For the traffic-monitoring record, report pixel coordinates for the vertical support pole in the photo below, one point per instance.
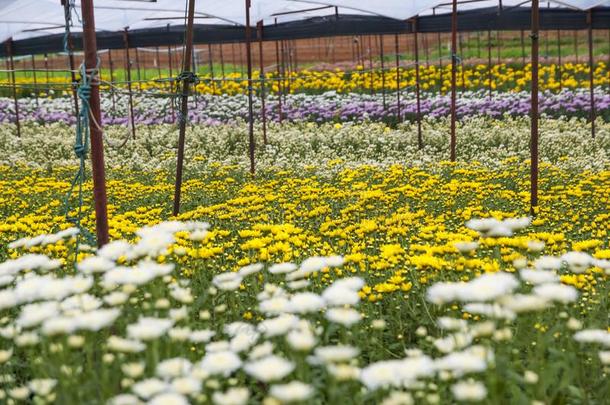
(534, 109)
(591, 70)
(420, 141)
(523, 47)
(259, 31)
(559, 68)
(171, 75)
(186, 88)
(398, 77)
(489, 74)
(157, 61)
(46, 68)
(138, 70)
(211, 62)
(453, 78)
(72, 66)
(35, 79)
(576, 44)
(129, 89)
(111, 65)
(222, 62)
(371, 72)
(95, 131)
(382, 56)
(251, 144)
(11, 68)
(279, 79)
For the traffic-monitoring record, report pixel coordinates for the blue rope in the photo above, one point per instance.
(81, 149)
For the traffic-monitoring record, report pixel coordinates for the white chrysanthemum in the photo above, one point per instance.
(599, 336)
(306, 302)
(339, 296)
(298, 284)
(516, 224)
(279, 325)
(222, 362)
(149, 328)
(114, 250)
(538, 276)
(556, 292)
(396, 373)
(301, 340)
(350, 283)
(243, 341)
(282, 268)
(227, 281)
(250, 269)
(547, 263)
(169, 398)
(172, 368)
(578, 262)
(486, 287)
(292, 392)
(451, 324)
(270, 368)
(490, 310)
(148, 388)
(453, 342)
(465, 247)
(520, 303)
(42, 386)
(464, 362)
(262, 350)
(233, 396)
(118, 344)
(482, 225)
(201, 336)
(344, 316)
(186, 385)
(236, 328)
(116, 298)
(469, 391)
(33, 314)
(336, 354)
(275, 305)
(95, 264)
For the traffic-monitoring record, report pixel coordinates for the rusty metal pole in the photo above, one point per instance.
(46, 68)
(453, 78)
(259, 32)
(398, 77)
(534, 109)
(11, 65)
(35, 81)
(95, 131)
(251, 144)
(111, 65)
(420, 140)
(279, 80)
(591, 70)
(129, 88)
(186, 88)
(382, 72)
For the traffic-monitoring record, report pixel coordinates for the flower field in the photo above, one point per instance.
(353, 265)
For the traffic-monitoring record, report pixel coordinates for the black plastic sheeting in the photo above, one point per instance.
(508, 19)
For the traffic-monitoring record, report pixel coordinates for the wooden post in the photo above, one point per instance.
(129, 88)
(591, 70)
(251, 144)
(453, 78)
(95, 131)
(534, 109)
(259, 31)
(11, 68)
(420, 140)
(186, 88)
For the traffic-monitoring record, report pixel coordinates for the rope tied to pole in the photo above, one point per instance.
(81, 149)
